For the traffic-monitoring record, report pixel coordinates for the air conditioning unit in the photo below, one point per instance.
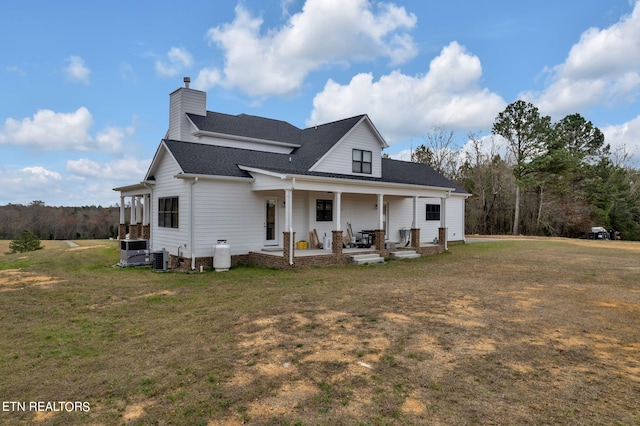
(160, 261)
(134, 253)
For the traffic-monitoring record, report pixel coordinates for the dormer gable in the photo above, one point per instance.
(358, 152)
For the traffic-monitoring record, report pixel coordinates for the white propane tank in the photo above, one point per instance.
(327, 242)
(222, 256)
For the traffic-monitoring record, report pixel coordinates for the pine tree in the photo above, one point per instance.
(26, 241)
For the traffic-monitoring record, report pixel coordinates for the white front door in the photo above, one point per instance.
(271, 222)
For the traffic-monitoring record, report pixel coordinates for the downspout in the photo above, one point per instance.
(193, 255)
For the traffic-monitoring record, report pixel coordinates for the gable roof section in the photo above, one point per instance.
(247, 126)
(157, 158)
(312, 143)
(203, 159)
(318, 140)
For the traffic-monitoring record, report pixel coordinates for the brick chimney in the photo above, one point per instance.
(183, 101)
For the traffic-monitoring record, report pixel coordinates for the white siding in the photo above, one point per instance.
(339, 158)
(455, 218)
(226, 210)
(400, 216)
(168, 186)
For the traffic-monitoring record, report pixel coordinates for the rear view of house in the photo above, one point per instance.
(264, 186)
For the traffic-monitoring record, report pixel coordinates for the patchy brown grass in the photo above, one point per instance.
(506, 332)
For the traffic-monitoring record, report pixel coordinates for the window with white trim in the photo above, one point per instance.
(361, 161)
(324, 210)
(168, 212)
(433, 212)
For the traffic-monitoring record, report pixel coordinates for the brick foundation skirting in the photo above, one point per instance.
(280, 262)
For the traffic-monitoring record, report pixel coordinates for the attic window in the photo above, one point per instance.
(361, 161)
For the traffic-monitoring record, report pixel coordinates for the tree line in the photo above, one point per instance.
(59, 223)
(537, 177)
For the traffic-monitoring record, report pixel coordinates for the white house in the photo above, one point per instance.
(260, 183)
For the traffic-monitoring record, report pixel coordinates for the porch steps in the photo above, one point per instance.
(361, 259)
(405, 254)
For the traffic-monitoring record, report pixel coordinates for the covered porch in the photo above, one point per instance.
(339, 211)
(139, 222)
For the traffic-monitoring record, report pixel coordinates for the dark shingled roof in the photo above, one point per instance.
(249, 126)
(314, 142)
(204, 159)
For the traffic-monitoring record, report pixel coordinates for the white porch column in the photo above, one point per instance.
(139, 210)
(414, 224)
(380, 211)
(288, 210)
(146, 213)
(122, 208)
(132, 216)
(338, 202)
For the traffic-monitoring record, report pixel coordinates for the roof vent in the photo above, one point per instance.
(187, 80)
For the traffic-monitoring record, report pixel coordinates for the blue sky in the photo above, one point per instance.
(85, 85)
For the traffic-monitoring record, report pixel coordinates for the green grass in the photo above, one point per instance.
(541, 332)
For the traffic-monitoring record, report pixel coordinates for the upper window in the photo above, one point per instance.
(324, 210)
(168, 212)
(433, 212)
(361, 161)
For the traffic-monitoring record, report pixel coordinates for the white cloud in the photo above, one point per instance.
(55, 131)
(86, 182)
(40, 175)
(207, 78)
(126, 169)
(49, 130)
(325, 32)
(28, 184)
(128, 73)
(402, 106)
(603, 65)
(76, 70)
(15, 70)
(178, 59)
(625, 136)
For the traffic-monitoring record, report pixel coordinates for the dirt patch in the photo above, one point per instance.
(79, 248)
(135, 411)
(17, 279)
(41, 416)
(117, 301)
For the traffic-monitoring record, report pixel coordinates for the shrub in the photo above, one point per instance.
(26, 241)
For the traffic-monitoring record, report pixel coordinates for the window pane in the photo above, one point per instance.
(366, 156)
(366, 168)
(357, 155)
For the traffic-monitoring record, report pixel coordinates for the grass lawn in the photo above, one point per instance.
(506, 332)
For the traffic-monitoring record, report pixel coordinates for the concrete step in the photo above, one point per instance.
(361, 259)
(405, 254)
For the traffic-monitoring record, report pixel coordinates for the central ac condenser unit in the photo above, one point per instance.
(160, 261)
(134, 253)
